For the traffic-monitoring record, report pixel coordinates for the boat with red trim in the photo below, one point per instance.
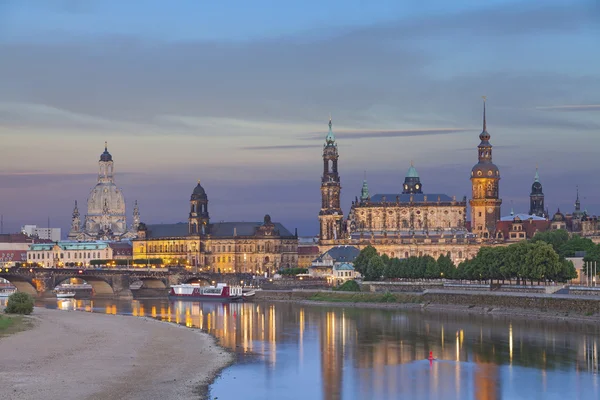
(221, 292)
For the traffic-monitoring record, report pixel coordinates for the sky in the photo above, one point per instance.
(238, 94)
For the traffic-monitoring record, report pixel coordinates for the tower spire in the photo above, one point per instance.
(364, 193)
(484, 122)
(330, 139)
(537, 175)
(105, 145)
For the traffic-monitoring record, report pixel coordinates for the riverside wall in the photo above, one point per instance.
(588, 305)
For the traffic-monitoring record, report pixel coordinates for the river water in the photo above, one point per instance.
(293, 351)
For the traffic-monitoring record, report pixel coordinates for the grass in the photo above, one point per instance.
(13, 324)
(338, 297)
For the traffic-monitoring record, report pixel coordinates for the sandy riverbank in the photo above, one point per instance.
(78, 355)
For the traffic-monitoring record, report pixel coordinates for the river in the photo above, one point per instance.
(293, 351)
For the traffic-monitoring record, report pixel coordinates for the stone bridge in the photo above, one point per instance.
(110, 282)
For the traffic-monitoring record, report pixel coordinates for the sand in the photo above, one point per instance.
(79, 355)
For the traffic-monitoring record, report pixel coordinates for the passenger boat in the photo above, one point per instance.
(64, 294)
(221, 292)
(7, 292)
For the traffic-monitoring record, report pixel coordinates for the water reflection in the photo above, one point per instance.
(301, 352)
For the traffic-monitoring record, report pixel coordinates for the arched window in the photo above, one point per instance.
(406, 254)
(460, 254)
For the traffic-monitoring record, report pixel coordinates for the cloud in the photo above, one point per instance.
(389, 134)
(574, 107)
(284, 147)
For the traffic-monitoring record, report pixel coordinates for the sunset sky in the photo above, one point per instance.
(238, 94)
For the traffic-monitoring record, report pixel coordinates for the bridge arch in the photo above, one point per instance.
(201, 280)
(22, 283)
(153, 283)
(99, 285)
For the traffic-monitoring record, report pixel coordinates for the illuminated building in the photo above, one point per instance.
(485, 178)
(227, 247)
(410, 223)
(105, 218)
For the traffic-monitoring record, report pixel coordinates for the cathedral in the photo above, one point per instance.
(412, 222)
(105, 218)
(224, 247)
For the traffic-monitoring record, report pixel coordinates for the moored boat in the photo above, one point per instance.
(7, 292)
(64, 294)
(221, 292)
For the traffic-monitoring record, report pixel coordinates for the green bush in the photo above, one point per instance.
(19, 303)
(349, 286)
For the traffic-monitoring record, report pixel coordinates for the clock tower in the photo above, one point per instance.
(412, 182)
(331, 215)
(485, 200)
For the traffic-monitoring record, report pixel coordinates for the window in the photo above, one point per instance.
(229, 248)
(480, 213)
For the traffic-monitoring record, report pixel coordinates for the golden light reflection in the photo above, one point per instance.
(510, 342)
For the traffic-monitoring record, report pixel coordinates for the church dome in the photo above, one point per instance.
(486, 169)
(106, 195)
(558, 216)
(199, 192)
(106, 156)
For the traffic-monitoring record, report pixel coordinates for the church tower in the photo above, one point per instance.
(331, 215)
(536, 197)
(485, 177)
(412, 181)
(106, 166)
(75, 224)
(198, 218)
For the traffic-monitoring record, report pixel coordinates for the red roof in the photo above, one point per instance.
(308, 250)
(13, 255)
(121, 248)
(530, 227)
(15, 238)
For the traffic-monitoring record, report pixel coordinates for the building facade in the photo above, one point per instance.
(53, 234)
(226, 247)
(105, 218)
(67, 254)
(405, 224)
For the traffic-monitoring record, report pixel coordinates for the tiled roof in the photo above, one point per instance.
(179, 229)
(341, 253)
(522, 217)
(308, 250)
(530, 227)
(13, 255)
(405, 198)
(69, 246)
(15, 238)
(220, 229)
(343, 267)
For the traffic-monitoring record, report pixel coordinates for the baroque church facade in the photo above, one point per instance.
(224, 247)
(106, 218)
(412, 222)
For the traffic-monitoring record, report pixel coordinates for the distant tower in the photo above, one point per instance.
(106, 166)
(536, 198)
(136, 217)
(198, 219)
(75, 223)
(331, 215)
(364, 192)
(485, 176)
(412, 182)
(577, 213)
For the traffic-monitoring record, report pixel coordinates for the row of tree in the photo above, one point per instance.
(541, 259)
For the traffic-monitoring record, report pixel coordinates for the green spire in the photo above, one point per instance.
(330, 139)
(537, 175)
(364, 193)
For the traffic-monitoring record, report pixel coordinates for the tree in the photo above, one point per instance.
(432, 270)
(375, 268)
(576, 243)
(19, 303)
(446, 267)
(361, 262)
(542, 262)
(555, 238)
(567, 271)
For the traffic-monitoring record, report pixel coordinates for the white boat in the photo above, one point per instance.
(64, 294)
(221, 292)
(248, 294)
(7, 292)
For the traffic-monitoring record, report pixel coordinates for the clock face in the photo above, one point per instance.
(405, 186)
(417, 186)
(490, 210)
